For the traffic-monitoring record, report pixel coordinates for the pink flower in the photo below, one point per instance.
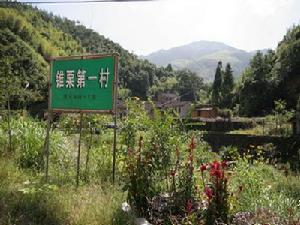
(209, 192)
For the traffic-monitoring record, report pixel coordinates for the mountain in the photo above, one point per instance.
(29, 37)
(202, 57)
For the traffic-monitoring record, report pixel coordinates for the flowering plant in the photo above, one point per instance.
(216, 191)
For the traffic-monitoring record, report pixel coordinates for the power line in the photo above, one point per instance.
(74, 1)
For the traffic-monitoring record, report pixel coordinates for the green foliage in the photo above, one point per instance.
(227, 88)
(188, 85)
(229, 153)
(26, 200)
(217, 85)
(258, 91)
(28, 139)
(32, 36)
(255, 186)
(216, 192)
(287, 67)
(272, 76)
(148, 152)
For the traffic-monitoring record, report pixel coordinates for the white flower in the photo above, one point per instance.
(126, 207)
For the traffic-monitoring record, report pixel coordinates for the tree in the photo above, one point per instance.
(227, 87)
(169, 68)
(257, 91)
(189, 85)
(287, 66)
(217, 85)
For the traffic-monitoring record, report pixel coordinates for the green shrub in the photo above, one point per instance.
(229, 153)
(256, 187)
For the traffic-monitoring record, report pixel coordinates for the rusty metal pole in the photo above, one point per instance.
(78, 155)
(115, 119)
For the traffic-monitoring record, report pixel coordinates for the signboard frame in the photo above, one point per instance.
(114, 84)
(113, 111)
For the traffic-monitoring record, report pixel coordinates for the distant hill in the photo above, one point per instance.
(29, 37)
(202, 57)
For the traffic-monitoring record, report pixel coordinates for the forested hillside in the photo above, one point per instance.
(202, 57)
(29, 37)
(271, 76)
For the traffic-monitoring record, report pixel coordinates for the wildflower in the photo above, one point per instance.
(203, 167)
(173, 173)
(208, 192)
(204, 204)
(125, 207)
(217, 173)
(215, 165)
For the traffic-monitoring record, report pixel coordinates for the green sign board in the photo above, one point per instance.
(83, 83)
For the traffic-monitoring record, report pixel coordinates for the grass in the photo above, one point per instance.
(26, 200)
(265, 190)
(268, 129)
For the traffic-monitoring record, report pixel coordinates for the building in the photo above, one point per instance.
(169, 101)
(204, 112)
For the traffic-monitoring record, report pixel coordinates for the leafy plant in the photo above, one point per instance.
(216, 192)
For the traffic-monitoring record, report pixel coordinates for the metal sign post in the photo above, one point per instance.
(115, 134)
(78, 154)
(83, 84)
(47, 144)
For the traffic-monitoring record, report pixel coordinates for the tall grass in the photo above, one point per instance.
(24, 200)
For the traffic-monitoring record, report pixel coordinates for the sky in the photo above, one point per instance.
(145, 27)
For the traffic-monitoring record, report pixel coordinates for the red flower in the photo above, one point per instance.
(215, 165)
(217, 173)
(203, 167)
(209, 192)
(173, 173)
